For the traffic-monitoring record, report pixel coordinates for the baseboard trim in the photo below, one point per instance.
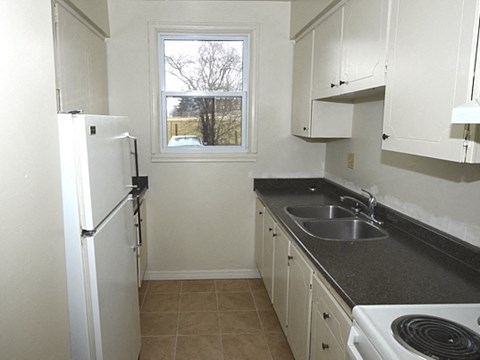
(204, 274)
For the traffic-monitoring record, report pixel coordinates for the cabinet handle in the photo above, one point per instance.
(325, 346)
(326, 316)
(273, 235)
(385, 136)
(332, 85)
(260, 213)
(290, 257)
(305, 129)
(343, 82)
(270, 229)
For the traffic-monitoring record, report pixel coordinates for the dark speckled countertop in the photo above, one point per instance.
(416, 264)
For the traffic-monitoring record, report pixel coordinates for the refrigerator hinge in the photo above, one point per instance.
(88, 233)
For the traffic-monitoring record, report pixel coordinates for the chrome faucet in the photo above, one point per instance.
(368, 210)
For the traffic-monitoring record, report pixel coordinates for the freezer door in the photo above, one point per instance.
(104, 174)
(112, 276)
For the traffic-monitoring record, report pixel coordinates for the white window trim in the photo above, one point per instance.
(249, 153)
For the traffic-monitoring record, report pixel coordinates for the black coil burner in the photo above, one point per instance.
(437, 338)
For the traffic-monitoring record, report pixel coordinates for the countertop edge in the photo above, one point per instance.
(450, 246)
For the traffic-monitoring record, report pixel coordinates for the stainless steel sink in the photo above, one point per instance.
(343, 230)
(318, 211)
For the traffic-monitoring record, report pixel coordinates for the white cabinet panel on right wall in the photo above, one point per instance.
(431, 64)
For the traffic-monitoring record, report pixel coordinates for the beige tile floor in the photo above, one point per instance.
(209, 320)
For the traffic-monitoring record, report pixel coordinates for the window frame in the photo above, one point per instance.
(160, 151)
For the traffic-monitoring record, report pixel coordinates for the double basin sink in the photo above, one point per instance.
(333, 222)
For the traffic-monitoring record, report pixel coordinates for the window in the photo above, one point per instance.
(204, 94)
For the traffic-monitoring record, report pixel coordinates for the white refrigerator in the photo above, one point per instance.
(100, 241)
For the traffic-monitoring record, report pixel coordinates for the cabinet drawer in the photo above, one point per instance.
(327, 348)
(335, 318)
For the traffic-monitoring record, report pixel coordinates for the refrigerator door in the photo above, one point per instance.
(104, 177)
(110, 262)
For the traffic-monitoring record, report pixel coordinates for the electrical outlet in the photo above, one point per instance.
(351, 160)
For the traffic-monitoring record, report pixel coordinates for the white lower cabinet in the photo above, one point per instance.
(280, 275)
(330, 325)
(268, 252)
(314, 318)
(259, 216)
(299, 304)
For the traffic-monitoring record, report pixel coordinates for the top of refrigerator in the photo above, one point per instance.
(95, 145)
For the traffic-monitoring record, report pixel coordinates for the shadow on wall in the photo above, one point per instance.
(455, 172)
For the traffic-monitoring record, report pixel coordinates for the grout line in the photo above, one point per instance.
(221, 335)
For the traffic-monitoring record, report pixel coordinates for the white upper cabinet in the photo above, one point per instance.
(302, 85)
(315, 119)
(350, 49)
(327, 56)
(364, 44)
(431, 65)
(81, 64)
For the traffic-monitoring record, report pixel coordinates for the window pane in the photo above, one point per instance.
(203, 65)
(204, 121)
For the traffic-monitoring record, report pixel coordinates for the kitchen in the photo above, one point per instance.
(440, 193)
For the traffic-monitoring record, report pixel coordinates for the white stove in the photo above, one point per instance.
(419, 332)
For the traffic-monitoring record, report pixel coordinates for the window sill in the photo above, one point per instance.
(204, 157)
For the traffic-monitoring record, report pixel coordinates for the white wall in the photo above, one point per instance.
(33, 295)
(443, 194)
(201, 215)
(95, 10)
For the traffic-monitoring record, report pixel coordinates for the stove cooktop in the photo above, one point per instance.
(436, 338)
(439, 331)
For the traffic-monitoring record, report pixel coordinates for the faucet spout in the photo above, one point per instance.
(368, 209)
(357, 203)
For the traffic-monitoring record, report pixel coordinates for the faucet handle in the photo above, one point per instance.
(371, 199)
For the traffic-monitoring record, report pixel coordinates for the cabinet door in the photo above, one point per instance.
(330, 325)
(302, 80)
(280, 279)
(268, 253)
(259, 216)
(299, 305)
(81, 65)
(430, 70)
(364, 44)
(327, 54)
